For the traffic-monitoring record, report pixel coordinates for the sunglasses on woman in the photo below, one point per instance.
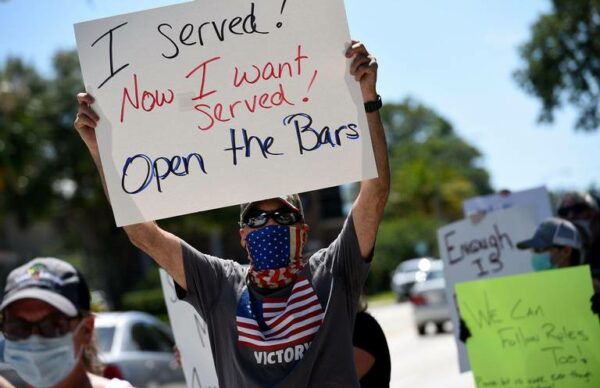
(284, 216)
(53, 326)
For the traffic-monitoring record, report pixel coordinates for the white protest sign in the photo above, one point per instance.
(191, 337)
(537, 197)
(213, 103)
(480, 247)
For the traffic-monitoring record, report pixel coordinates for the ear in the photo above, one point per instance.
(87, 331)
(243, 234)
(83, 338)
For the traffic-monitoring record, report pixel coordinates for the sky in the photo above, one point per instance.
(455, 57)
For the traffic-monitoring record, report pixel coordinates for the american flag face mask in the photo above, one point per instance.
(275, 254)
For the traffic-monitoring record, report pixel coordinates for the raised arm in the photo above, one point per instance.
(162, 246)
(368, 207)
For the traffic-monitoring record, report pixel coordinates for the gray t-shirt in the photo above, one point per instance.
(299, 336)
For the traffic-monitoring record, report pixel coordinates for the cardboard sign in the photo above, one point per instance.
(213, 103)
(533, 330)
(483, 247)
(537, 197)
(191, 337)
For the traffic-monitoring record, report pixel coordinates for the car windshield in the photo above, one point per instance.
(410, 266)
(435, 275)
(104, 338)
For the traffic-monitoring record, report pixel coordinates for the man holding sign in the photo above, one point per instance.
(287, 321)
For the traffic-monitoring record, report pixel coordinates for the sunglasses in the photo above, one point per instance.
(576, 209)
(53, 326)
(257, 218)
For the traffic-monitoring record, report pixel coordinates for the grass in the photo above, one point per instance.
(382, 298)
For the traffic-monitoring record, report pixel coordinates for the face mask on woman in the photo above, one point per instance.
(41, 361)
(541, 261)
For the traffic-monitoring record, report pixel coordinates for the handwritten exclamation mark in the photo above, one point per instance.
(279, 24)
(312, 80)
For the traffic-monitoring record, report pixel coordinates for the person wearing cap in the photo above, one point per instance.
(286, 321)
(555, 244)
(47, 325)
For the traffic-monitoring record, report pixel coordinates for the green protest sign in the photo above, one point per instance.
(532, 330)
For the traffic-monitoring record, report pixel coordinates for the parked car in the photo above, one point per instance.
(410, 272)
(137, 347)
(429, 302)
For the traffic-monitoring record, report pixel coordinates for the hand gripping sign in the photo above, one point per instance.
(213, 103)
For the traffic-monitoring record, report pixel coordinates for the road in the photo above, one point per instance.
(425, 362)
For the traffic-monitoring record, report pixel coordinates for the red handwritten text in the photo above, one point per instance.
(269, 71)
(149, 101)
(224, 111)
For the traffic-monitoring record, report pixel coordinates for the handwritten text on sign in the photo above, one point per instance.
(483, 247)
(209, 104)
(528, 331)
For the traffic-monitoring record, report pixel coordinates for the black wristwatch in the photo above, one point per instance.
(373, 106)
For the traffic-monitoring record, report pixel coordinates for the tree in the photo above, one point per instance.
(433, 171)
(562, 61)
(24, 178)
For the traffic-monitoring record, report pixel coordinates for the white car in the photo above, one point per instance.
(429, 302)
(137, 347)
(410, 272)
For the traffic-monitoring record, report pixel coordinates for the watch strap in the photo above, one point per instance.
(373, 106)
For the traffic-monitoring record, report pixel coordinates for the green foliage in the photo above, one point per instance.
(433, 171)
(381, 298)
(24, 145)
(562, 60)
(148, 300)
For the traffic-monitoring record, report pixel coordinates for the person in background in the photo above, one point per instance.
(583, 211)
(47, 325)
(371, 352)
(557, 244)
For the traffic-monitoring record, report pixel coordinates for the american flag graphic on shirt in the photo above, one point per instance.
(277, 323)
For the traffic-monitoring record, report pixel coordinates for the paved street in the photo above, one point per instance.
(422, 362)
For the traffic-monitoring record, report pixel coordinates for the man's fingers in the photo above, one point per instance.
(85, 98)
(86, 117)
(88, 111)
(356, 48)
(363, 66)
(358, 62)
(83, 121)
